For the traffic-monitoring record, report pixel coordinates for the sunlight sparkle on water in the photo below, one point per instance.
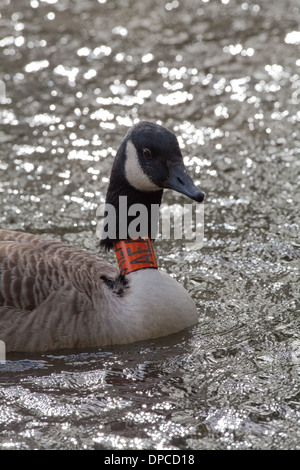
(36, 66)
(172, 99)
(293, 37)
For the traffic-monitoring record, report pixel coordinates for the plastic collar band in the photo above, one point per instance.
(135, 254)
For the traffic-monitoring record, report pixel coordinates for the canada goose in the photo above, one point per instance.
(56, 296)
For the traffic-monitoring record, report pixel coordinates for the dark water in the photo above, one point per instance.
(225, 76)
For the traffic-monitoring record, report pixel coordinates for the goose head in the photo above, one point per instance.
(148, 161)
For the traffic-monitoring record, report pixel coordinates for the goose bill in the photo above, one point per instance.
(181, 182)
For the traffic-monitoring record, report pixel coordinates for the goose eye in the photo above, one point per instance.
(147, 153)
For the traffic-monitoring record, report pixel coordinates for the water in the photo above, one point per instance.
(224, 75)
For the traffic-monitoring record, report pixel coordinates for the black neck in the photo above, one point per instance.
(121, 196)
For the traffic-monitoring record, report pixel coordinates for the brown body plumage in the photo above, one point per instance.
(46, 284)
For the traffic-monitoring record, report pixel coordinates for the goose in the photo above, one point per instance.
(57, 296)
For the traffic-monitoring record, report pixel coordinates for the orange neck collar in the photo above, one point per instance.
(135, 254)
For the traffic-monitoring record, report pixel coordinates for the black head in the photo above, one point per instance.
(154, 161)
(148, 161)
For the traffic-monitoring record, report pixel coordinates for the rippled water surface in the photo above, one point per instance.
(225, 76)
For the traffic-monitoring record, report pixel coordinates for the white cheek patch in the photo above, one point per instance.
(134, 172)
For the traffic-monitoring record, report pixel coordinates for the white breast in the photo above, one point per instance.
(155, 305)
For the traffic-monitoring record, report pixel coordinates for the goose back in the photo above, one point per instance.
(48, 291)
